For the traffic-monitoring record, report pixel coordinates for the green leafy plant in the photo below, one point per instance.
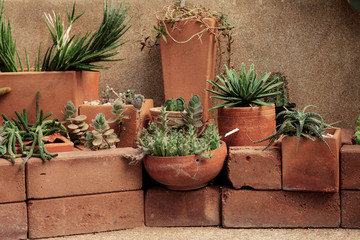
(14, 133)
(193, 113)
(102, 137)
(243, 90)
(356, 137)
(175, 104)
(70, 52)
(282, 98)
(119, 111)
(76, 125)
(300, 124)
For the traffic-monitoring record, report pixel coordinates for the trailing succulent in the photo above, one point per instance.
(281, 99)
(76, 125)
(300, 124)
(243, 90)
(13, 135)
(102, 137)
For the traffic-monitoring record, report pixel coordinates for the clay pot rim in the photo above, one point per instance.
(223, 145)
(126, 105)
(247, 108)
(334, 132)
(157, 110)
(188, 19)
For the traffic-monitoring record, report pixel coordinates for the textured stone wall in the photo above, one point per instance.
(316, 43)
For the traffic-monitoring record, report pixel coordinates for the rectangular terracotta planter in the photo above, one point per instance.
(81, 173)
(187, 66)
(12, 181)
(55, 88)
(85, 214)
(350, 167)
(131, 124)
(313, 167)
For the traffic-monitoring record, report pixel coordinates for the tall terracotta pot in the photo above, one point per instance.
(186, 172)
(187, 66)
(254, 122)
(312, 168)
(55, 88)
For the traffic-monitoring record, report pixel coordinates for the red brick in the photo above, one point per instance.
(182, 208)
(346, 136)
(253, 167)
(350, 167)
(254, 209)
(12, 181)
(350, 209)
(13, 221)
(85, 214)
(83, 172)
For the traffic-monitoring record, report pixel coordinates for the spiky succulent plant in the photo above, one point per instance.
(243, 90)
(300, 124)
(193, 113)
(102, 137)
(76, 125)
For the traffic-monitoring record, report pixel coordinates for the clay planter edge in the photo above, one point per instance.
(131, 125)
(56, 89)
(256, 122)
(312, 168)
(187, 66)
(186, 172)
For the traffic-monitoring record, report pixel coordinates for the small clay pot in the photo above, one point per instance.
(186, 172)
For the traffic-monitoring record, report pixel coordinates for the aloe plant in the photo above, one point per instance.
(300, 124)
(102, 137)
(243, 90)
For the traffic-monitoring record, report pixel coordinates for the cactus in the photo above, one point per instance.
(281, 99)
(102, 137)
(356, 137)
(76, 125)
(175, 104)
(4, 90)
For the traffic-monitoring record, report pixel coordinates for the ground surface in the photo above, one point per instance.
(209, 233)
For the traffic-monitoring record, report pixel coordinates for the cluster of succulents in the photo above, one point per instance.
(102, 137)
(14, 133)
(76, 125)
(175, 104)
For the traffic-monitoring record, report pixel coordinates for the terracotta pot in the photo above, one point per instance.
(173, 116)
(187, 66)
(131, 125)
(313, 167)
(56, 88)
(254, 122)
(55, 143)
(186, 172)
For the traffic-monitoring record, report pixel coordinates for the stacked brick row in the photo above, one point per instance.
(77, 192)
(255, 197)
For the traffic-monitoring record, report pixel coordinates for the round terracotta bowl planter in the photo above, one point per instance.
(173, 116)
(186, 172)
(254, 122)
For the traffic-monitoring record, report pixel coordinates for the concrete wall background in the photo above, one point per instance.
(316, 43)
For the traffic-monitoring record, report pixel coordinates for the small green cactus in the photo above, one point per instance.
(281, 99)
(76, 125)
(356, 137)
(102, 137)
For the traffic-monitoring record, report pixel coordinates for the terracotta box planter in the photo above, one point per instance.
(186, 172)
(131, 125)
(313, 167)
(55, 88)
(254, 122)
(187, 66)
(12, 181)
